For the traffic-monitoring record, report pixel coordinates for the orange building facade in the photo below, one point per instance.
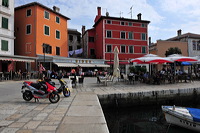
(40, 31)
(162, 46)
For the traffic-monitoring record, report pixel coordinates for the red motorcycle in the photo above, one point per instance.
(42, 89)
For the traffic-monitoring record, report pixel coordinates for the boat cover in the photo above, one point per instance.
(195, 114)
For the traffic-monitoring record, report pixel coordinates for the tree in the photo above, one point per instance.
(174, 50)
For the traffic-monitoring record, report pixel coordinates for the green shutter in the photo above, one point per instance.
(46, 30)
(46, 15)
(4, 23)
(143, 50)
(130, 34)
(5, 3)
(143, 36)
(57, 19)
(4, 45)
(58, 34)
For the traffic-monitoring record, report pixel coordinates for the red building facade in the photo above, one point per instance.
(129, 35)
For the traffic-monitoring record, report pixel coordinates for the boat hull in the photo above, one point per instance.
(182, 120)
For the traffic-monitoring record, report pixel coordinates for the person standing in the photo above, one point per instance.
(41, 71)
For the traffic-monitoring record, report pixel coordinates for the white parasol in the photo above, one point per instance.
(116, 72)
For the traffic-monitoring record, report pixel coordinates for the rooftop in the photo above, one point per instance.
(39, 4)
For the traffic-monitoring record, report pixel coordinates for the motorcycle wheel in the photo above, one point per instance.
(54, 98)
(27, 96)
(66, 92)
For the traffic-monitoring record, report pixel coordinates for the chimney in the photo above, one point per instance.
(149, 41)
(83, 29)
(139, 16)
(179, 32)
(99, 11)
(56, 9)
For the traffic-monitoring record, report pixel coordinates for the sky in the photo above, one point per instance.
(165, 16)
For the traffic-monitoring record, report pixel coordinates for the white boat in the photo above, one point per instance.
(182, 116)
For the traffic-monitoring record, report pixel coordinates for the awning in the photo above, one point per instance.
(87, 65)
(16, 59)
(66, 64)
(121, 63)
(101, 65)
(80, 64)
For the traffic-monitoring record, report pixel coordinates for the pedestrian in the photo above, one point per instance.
(41, 72)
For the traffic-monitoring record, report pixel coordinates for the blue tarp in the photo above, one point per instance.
(185, 63)
(195, 113)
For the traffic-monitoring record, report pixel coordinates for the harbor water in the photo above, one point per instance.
(144, 119)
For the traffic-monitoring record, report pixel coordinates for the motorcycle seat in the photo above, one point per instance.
(36, 85)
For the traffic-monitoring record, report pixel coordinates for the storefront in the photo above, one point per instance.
(10, 62)
(56, 63)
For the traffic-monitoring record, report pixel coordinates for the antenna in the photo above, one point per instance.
(131, 11)
(105, 9)
(121, 13)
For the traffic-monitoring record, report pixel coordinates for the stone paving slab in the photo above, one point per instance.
(84, 116)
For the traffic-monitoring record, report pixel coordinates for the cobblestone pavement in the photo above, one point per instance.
(20, 116)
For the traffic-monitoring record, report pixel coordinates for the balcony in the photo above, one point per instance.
(6, 11)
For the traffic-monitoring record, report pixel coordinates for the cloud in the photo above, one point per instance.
(166, 16)
(179, 6)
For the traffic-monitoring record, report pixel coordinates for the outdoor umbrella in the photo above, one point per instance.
(180, 58)
(150, 58)
(116, 72)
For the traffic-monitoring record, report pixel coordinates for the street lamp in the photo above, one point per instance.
(44, 50)
(110, 63)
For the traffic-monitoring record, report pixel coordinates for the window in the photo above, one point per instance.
(91, 39)
(198, 46)
(57, 50)
(57, 19)
(144, 50)
(108, 21)
(92, 51)
(123, 35)
(4, 23)
(130, 24)
(28, 12)
(28, 47)
(144, 36)
(144, 25)
(79, 38)
(28, 29)
(123, 49)
(46, 15)
(108, 34)
(130, 49)
(130, 35)
(47, 48)
(70, 48)
(70, 37)
(4, 45)
(194, 45)
(109, 48)
(122, 23)
(5, 3)
(57, 34)
(46, 30)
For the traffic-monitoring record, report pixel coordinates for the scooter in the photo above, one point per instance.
(42, 89)
(63, 86)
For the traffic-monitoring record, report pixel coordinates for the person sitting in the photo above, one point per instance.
(180, 72)
(146, 77)
(156, 78)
